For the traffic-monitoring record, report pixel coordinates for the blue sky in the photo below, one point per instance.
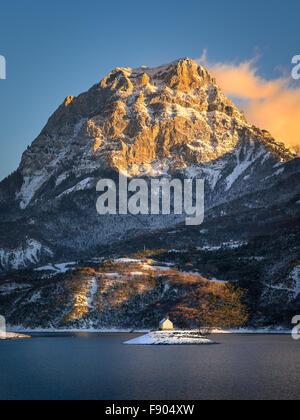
(60, 48)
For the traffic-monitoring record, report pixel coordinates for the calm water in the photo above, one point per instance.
(99, 366)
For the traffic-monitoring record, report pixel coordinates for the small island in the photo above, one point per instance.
(225, 310)
(170, 338)
(12, 336)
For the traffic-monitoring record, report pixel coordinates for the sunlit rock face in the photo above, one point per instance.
(170, 120)
(144, 121)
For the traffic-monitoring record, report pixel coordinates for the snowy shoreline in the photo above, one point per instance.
(266, 330)
(12, 336)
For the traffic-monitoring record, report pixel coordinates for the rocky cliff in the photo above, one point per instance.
(172, 120)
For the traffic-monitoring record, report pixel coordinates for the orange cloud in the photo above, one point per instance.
(272, 105)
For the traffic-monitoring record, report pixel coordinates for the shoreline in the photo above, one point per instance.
(260, 331)
(13, 336)
(160, 338)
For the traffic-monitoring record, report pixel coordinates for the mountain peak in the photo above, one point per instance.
(169, 120)
(168, 117)
(183, 74)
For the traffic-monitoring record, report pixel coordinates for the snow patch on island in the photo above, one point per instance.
(170, 338)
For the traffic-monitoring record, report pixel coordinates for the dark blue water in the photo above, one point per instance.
(99, 366)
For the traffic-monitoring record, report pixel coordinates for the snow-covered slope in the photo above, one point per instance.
(144, 122)
(172, 120)
(28, 254)
(121, 293)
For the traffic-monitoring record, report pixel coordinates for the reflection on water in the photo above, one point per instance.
(99, 366)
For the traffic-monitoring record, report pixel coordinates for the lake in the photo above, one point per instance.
(99, 366)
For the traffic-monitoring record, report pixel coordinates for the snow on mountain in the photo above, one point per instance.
(242, 166)
(143, 121)
(25, 255)
(82, 185)
(174, 121)
(295, 276)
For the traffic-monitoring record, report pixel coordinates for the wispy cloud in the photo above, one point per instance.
(273, 105)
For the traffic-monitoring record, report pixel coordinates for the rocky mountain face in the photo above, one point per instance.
(172, 120)
(116, 293)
